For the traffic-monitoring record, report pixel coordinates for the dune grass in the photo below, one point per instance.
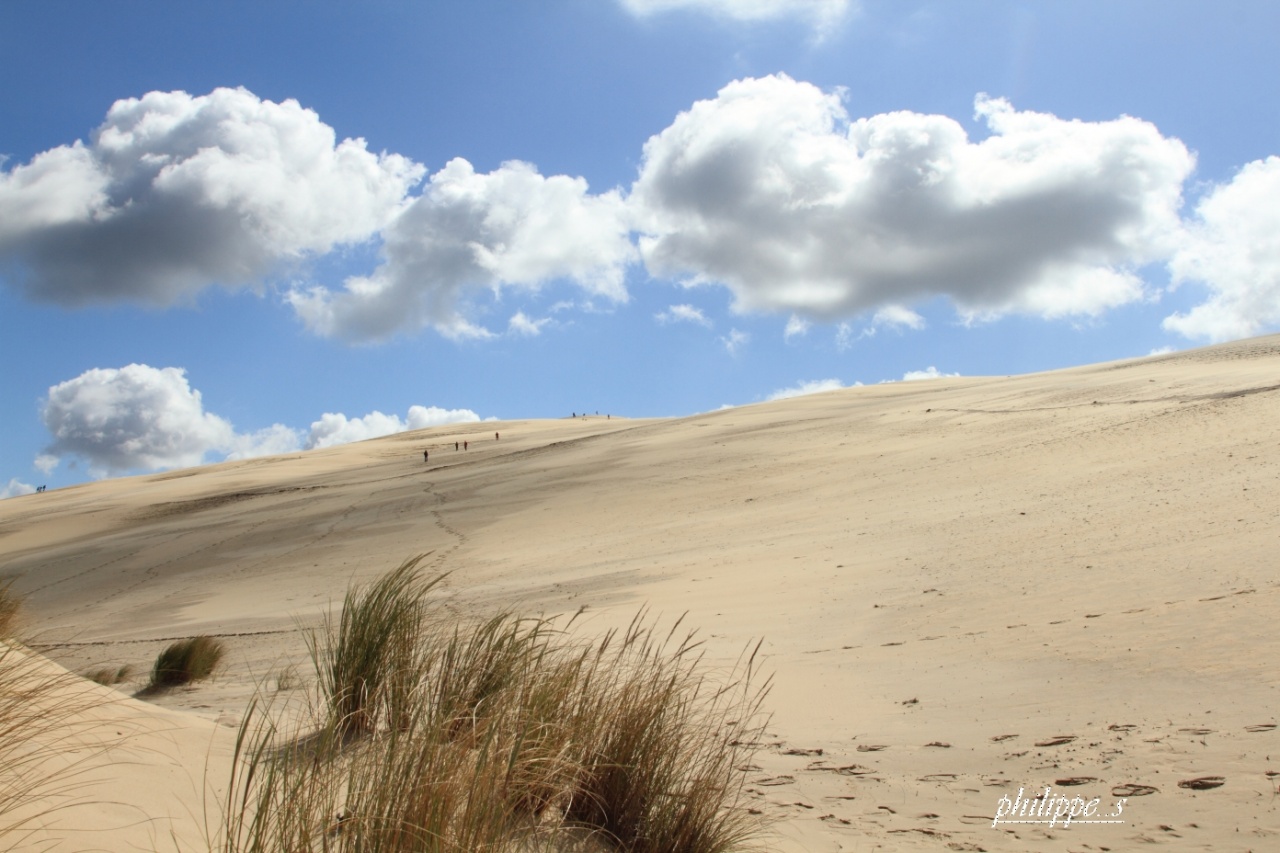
(10, 605)
(109, 676)
(365, 661)
(39, 714)
(505, 734)
(185, 661)
(45, 744)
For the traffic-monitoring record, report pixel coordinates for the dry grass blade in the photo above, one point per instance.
(46, 744)
(10, 605)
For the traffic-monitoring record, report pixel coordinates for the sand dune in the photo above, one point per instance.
(965, 587)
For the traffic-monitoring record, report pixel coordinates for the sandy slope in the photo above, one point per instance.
(949, 576)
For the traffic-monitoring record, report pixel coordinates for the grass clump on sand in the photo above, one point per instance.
(506, 734)
(109, 676)
(185, 661)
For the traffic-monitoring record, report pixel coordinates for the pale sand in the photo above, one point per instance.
(986, 563)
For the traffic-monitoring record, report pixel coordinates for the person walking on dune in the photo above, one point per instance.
(426, 456)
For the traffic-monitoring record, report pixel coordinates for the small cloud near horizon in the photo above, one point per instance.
(929, 372)
(812, 386)
(15, 487)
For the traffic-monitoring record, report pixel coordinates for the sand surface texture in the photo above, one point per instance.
(966, 587)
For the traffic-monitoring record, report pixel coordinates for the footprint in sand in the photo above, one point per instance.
(1075, 780)
(1132, 789)
(1121, 727)
(1196, 730)
(1057, 740)
(872, 747)
(801, 751)
(1260, 727)
(774, 781)
(845, 770)
(998, 738)
(1203, 783)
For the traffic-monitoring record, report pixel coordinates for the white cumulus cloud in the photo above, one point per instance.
(15, 487)
(470, 232)
(174, 192)
(772, 190)
(929, 372)
(134, 417)
(683, 314)
(1233, 247)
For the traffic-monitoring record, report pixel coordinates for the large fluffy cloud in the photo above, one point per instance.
(174, 192)
(1233, 246)
(146, 418)
(771, 190)
(512, 226)
(132, 417)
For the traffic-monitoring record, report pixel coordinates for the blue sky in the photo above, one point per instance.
(229, 229)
